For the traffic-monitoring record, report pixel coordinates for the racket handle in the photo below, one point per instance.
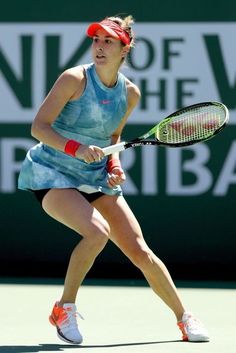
(114, 148)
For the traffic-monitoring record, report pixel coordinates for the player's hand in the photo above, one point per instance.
(116, 177)
(89, 153)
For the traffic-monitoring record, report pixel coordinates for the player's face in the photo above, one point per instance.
(106, 49)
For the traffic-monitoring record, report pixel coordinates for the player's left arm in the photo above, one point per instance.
(116, 173)
(133, 96)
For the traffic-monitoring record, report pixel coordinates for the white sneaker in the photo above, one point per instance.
(64, 318)
(192, 329)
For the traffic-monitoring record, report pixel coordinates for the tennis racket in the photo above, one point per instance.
(187, 126)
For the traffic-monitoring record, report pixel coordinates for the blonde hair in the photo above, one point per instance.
(126, 24)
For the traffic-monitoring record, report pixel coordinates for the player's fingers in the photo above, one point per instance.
(89, 158)
(115, 179)
(99, 151)
(95, 154)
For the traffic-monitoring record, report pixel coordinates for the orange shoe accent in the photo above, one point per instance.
(182, 329)
(58, 315)
(51, 320)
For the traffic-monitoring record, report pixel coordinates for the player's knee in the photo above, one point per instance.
(99, 235)
(142, 258)
(100, 239)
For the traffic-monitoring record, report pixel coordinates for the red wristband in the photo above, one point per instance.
(113, 163)
(71, 147)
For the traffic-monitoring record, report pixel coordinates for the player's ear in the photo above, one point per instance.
(125, 50)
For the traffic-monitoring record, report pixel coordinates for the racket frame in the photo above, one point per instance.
(143, 139)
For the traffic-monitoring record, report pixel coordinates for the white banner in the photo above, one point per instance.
(174, 64)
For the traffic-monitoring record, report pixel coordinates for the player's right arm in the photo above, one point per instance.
(69, 85)
(61, 92)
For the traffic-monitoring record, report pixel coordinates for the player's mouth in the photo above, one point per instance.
(100, 56)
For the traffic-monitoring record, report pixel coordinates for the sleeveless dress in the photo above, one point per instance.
(91, 120)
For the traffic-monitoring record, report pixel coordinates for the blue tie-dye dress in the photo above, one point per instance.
(91, 119)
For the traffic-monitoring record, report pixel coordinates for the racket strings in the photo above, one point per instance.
(190, 125)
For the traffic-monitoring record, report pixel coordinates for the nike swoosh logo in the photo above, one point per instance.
(104, 101)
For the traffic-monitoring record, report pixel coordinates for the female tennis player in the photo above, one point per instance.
(86, 110)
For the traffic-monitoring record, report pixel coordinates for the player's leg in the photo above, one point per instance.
(127, 235)
(70, 208)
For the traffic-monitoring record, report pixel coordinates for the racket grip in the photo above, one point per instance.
(114, 148)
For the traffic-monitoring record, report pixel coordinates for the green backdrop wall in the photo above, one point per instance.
(184, 199)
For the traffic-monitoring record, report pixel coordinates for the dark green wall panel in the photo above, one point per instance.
(193, 233)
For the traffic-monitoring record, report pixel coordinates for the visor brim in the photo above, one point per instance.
(94, 27)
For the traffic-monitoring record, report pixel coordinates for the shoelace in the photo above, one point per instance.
(69, 318)
(192, 323)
